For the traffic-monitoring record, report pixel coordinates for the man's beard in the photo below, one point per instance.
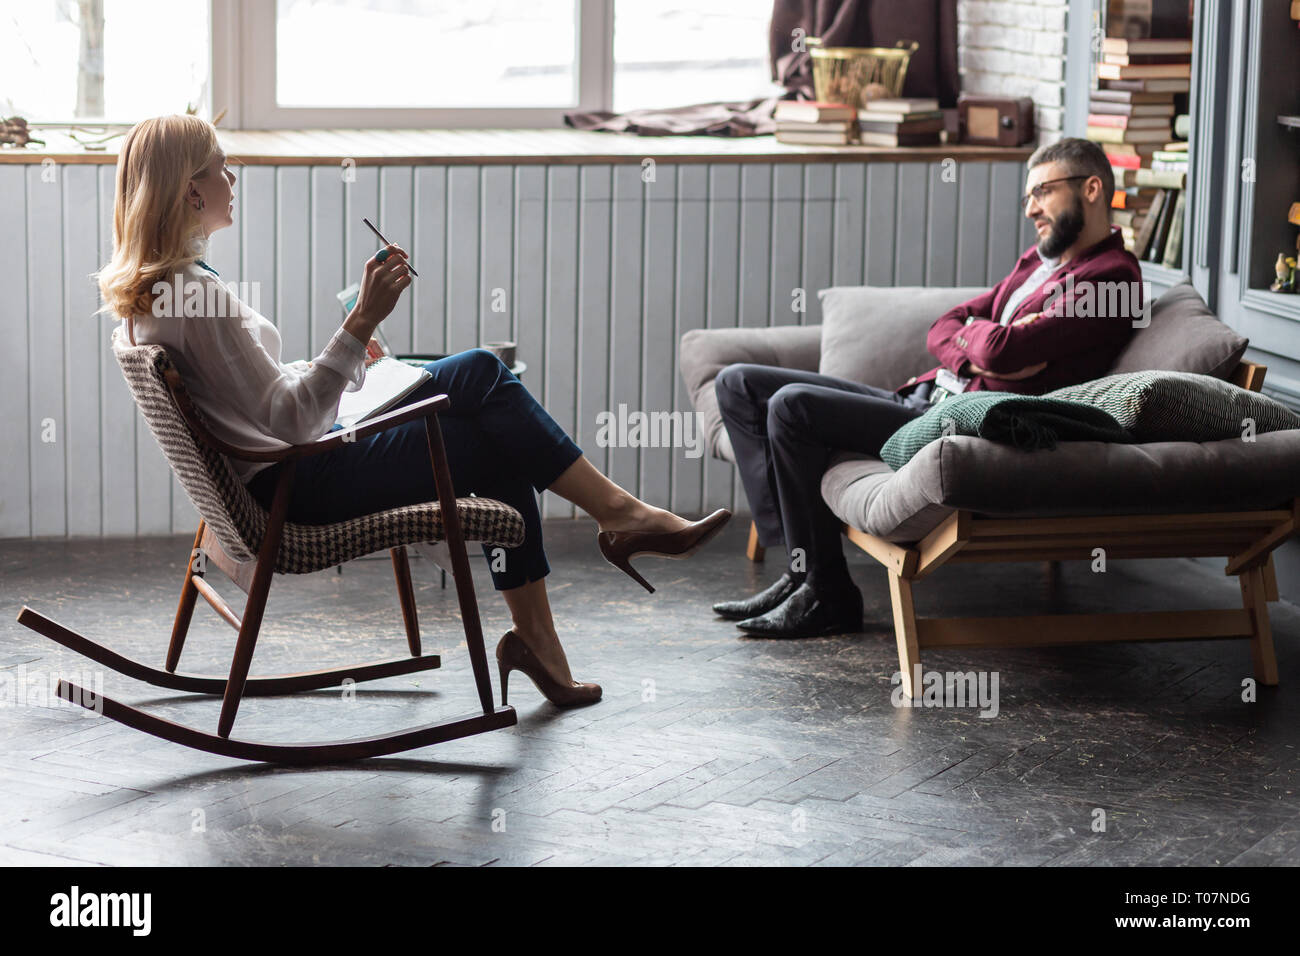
(1064, 230)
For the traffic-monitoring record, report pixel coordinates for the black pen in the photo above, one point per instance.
(386, 242)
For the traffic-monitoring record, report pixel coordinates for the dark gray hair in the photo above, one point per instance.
(1081, 157)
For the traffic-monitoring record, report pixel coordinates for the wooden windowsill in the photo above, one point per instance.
(478, 147)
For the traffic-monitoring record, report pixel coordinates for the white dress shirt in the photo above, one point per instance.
(1036, 278)
(229, 357)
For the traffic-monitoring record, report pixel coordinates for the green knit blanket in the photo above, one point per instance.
(1028, 422)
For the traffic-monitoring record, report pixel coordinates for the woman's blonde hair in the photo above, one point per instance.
(155, 231)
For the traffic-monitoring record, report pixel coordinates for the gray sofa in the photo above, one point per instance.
(877, 336)
(936, 505)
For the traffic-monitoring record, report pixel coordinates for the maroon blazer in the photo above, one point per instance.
(1080, 331)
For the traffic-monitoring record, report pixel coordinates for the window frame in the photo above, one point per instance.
(243, 79)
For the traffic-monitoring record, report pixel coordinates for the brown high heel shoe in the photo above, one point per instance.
(619, 547)
(514, 655)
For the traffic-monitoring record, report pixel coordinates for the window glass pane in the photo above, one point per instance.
(426, 53)
(115, 60)
(690, 51)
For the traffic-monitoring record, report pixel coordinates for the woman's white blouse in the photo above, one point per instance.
(229, 356)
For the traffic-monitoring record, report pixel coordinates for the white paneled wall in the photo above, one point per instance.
(600, 273)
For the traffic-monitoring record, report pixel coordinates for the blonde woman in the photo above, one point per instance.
(174, 189)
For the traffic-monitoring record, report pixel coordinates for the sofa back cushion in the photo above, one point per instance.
(1184, 336)
(876, 335)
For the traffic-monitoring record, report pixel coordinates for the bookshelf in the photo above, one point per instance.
(1261, 185)
(1243, 183)
(1139, 111)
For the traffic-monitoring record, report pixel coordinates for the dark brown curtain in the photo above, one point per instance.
(932, 71)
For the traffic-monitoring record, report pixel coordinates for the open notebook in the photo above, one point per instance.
(388, 380)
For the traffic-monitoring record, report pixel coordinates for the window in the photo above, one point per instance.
(376, 63)
(426, 53)
(691, 51)
(479, 63)
(100, 60)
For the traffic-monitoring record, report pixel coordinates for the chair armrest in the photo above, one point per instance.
(398, 416)
(706, 352)
(1249, 375)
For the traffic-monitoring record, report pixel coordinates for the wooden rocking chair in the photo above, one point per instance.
(248, 544)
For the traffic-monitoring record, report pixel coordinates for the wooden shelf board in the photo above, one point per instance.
(485, 147)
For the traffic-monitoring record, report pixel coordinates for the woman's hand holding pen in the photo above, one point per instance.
(382, 283)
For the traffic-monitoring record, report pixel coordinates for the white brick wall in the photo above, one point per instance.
(1016, 48)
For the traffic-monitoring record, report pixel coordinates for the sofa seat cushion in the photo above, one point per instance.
(1075, 478)
(1179, 406)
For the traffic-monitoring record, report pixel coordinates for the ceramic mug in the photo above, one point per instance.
(505, 351)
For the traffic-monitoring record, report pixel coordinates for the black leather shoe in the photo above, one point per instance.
(805, 613)
(760, 603)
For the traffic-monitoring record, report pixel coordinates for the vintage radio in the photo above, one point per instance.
(996, 120)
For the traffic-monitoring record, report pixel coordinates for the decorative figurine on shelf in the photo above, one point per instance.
(1284, 269)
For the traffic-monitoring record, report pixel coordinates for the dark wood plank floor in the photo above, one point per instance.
(707, 749)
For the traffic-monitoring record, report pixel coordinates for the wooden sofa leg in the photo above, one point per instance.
(909, 653)
(753, 550)
(1270, 580)
(1253, 596)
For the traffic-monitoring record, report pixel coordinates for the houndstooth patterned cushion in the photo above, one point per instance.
(239, 522)
(1180, 406)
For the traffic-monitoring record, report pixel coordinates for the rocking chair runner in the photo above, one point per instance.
(248, 544)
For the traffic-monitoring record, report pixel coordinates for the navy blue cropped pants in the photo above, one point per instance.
(500, 441)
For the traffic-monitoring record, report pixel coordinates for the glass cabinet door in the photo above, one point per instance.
(1261, 183)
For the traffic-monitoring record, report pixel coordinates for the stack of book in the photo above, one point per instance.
(900, 122)
(1132, 115)
(1160, 236)
(810, 122)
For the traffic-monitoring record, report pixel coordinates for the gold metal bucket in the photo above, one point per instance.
(853, 74)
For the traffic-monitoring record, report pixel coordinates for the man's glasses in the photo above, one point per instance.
(1038, 192)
